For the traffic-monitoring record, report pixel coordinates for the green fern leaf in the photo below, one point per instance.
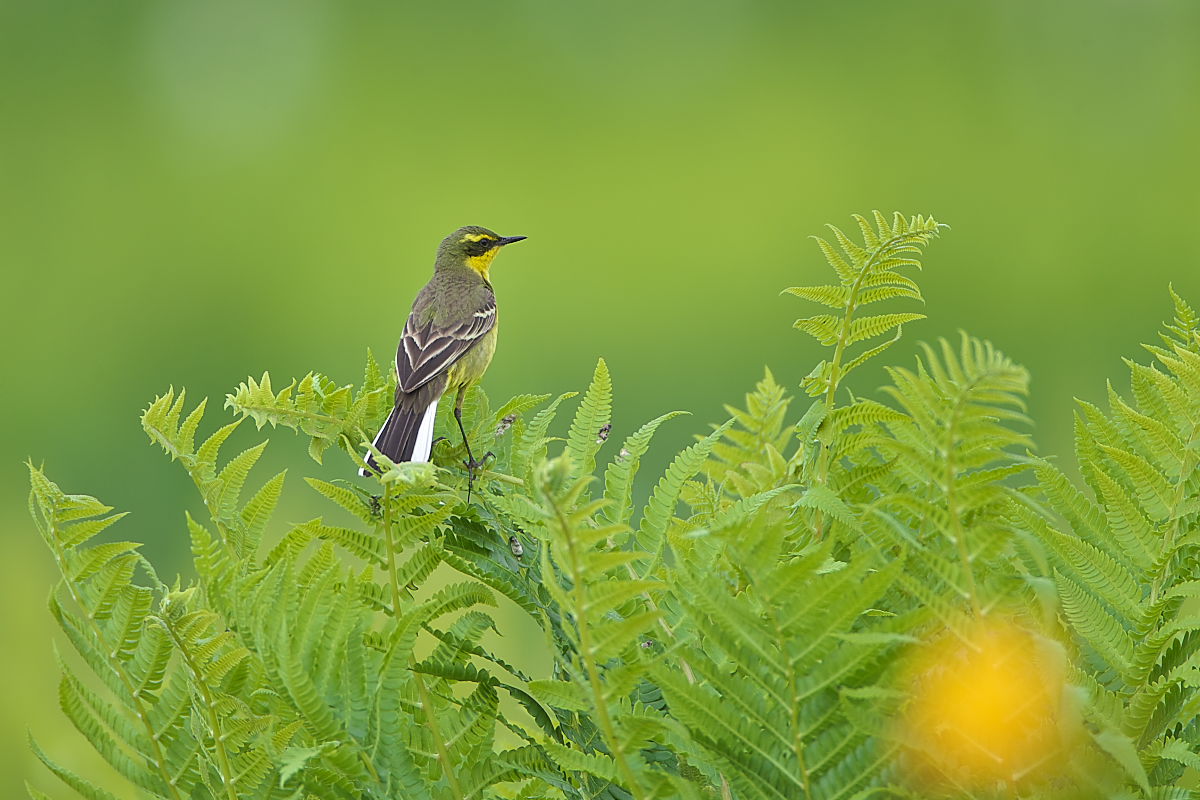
(560, 694)
(825, 500)
(1154, 492)
(870, 353)
(1103, 632)
(825, 328)
(890, 291)
(206, 454)
(532, 442)
(108, 730)
(1125, 754)
(231, 479)
(590, 427)
(619, 475)
(1185, 327)
(84, 787)
(869, 327)
(35, 794)
(660, 508)
(257, 513)
(832, 296)
(347, 499)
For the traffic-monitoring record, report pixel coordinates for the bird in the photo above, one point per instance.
(447, 344)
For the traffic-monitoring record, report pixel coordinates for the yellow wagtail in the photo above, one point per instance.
(447, 344)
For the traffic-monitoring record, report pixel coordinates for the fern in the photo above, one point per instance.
(769, 666)
(868, 273)
(317, 406)
(745, 627)
(1125, 564)
(760, 436)
(621, 471)
(953, 453)
(592, 422)
(606, 620)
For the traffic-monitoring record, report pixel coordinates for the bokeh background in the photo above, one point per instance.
(192, 191)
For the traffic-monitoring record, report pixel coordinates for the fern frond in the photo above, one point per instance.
(868, 274)
(660, 508)
(257, 513)
(104, 618)
(85, 788)
(825, 328)
(832, 296)
(870, 327)
(759, 437)
(621, 471)
(1122, 577)
(1185, 327)
(531, 444)
(590, 427)
(316, 406)
(783, 739)
(955, 448)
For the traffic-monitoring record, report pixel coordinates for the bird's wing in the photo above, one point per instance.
(428, 350)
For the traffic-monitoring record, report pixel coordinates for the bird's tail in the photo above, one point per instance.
(406, 436)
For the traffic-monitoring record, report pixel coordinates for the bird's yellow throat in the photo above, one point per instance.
(483, 263)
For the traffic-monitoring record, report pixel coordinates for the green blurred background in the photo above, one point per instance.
(191, 192)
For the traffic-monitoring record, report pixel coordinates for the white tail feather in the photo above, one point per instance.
(366, 473)
(424, 443)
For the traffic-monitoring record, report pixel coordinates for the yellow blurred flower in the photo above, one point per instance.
(988, 711)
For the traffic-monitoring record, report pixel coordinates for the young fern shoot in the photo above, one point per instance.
(868, 273)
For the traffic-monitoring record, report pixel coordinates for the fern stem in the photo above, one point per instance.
(223, 764)
(115, 665)
(246, 408)
(438, 742)
(684, 666)
(390, 545)
(835, 363)
(189, 462)
(579, 597)
(951, 475)
(835, 367)
(166, 443)
(1186, 468)
(794, 711)
(426, 700)
(500, 476)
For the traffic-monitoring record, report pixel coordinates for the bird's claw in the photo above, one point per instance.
(473, 465)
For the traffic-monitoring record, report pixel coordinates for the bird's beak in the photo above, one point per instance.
(503, 240)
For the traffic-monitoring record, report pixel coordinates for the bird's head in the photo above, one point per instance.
(474, 247)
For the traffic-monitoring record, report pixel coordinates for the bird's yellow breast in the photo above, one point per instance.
(473, 363)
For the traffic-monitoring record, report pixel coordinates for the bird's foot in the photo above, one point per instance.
(474, 465)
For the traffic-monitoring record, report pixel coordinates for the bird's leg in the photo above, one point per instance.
(458, 416)
(472, 465)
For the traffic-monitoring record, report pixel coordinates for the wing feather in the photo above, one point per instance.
(427, 351)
